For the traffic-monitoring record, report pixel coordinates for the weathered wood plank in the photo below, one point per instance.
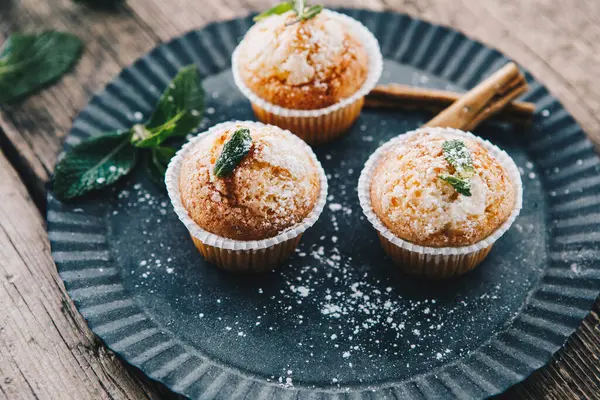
(34, 129)
(574, 372)
(545, 36)
(46, 349)
(169, 21)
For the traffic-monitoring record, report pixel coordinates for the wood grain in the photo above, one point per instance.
(46, 349)
(33, 130)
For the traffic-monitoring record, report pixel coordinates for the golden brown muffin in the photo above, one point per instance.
(273, 188)
(308, 65)
(416, 205)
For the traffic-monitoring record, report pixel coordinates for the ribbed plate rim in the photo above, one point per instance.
(436, 383)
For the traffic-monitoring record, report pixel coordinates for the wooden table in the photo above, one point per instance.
(46, 349)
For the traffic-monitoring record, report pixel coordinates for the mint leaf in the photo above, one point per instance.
(157, 163)
(179, 109)
(233, 152)
(30, 61)
(101, 161)
(147, 138)
(94, 164)
(299, 6)
(462, 186)
(312, 12)
(278, 9)
(458, 155)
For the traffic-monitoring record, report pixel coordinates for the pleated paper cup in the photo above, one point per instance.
(436, 262)
(325, 124)
(241, 255)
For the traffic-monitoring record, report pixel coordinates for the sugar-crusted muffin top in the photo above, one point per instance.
(307, 65)
(411, 199)
(274, 187)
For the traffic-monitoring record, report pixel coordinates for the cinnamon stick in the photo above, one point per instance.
(396, 96)
(484, 100)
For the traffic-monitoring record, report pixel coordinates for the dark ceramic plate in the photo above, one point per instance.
(337, 321)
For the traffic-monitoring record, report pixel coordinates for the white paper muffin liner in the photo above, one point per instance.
(371, 46)
(211, 239)
(364, 194)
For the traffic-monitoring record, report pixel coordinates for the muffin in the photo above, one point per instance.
(310, 76)
(439, 198)
(251, 216)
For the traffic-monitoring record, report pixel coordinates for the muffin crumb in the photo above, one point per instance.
(416, 205)
(274, 187)
(308, 65)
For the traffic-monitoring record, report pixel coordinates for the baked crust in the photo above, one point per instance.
(417, 206)
(274, 188)
(308, 65)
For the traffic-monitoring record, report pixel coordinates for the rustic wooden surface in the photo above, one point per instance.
(46, 349)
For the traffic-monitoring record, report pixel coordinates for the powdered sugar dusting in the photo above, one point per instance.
(418, 206)
(362, 316)
(299, 52)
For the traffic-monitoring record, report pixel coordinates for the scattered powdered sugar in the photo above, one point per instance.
(575, 268)
(357, 307)
(302, 291)
(157, 263)
(360, 316)
(335, 207)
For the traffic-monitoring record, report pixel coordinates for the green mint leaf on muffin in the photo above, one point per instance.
(102, 160)
(31, 61)
(278, 9)
(298, 6)
(458, 155)
(461, 185)
(94, 164)
(179, 109)
(303, 13)
(157, 162)
(312, 12)
(234, 151)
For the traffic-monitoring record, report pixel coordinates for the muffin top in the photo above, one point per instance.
(274, 187)
(441, 190)
(307, 65)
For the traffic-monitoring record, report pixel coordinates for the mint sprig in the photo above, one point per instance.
(278, 9)
(457, 154)
(234, 151)
(157, 162)
(461, 185)
(303, 12)
(31, 61)
(94, 164)
(179, 107)
(102, 160)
